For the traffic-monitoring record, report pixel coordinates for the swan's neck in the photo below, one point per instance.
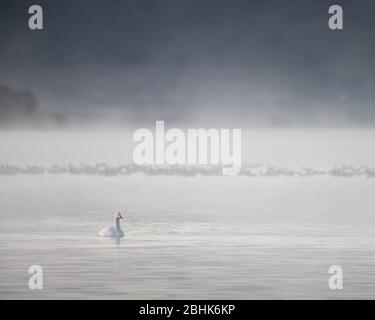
(117, 224)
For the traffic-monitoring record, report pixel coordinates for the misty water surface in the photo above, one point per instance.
(186, 237)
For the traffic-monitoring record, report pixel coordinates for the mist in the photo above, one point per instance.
(73, 94)
(194, 63)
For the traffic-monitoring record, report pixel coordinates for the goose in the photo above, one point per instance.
(113, 232)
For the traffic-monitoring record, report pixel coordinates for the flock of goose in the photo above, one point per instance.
(247, 170)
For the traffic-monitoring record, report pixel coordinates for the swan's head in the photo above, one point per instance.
(117, 215)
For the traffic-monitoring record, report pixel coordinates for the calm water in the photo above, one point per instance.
(202, 237)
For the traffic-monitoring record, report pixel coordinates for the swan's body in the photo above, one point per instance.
(113, 232)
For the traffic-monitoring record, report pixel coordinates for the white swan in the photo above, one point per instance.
(114, 232)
